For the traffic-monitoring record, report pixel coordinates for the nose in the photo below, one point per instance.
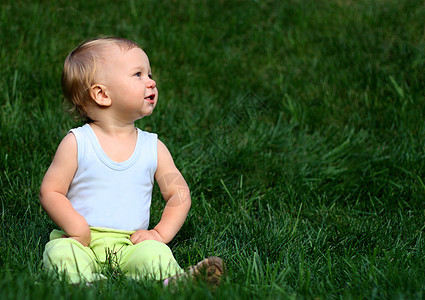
(151, 83)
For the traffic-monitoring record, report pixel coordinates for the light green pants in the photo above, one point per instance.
(145, 260)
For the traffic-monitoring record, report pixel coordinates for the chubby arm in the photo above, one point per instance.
(176, 194)
(55, 187)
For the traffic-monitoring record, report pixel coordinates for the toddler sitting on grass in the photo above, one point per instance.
(98, 188)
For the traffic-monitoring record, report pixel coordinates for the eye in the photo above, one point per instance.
(150, 76)
(138, 74)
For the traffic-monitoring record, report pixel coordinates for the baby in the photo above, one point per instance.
(98, 188)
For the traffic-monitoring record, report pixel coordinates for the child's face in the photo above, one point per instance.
(127, 78)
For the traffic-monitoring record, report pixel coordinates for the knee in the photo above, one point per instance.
(60, 251)
(148, 252)
(151, 259)
(152, 249)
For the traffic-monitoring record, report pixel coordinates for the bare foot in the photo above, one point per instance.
(209, 270)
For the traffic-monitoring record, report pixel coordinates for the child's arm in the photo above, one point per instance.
(55, 187)
(176, 193)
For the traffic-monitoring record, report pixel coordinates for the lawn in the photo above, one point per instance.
(298, 126)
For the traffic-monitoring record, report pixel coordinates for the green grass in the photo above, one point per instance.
(298, 126)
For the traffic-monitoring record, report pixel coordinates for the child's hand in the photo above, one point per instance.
(144, 235)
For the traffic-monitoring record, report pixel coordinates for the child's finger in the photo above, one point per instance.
(136, 241)
(138, 236)
(134, 238)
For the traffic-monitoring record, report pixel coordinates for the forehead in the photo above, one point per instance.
(116, 56)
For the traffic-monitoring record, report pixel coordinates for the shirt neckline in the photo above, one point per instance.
(105, 158)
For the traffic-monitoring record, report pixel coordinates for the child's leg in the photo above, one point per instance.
(68, 255)
(149, 259)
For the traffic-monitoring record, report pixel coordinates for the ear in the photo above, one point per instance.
(99, 95)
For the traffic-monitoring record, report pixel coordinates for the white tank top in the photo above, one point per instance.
(111, 194)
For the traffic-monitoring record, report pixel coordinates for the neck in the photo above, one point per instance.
(107, 124)
(115, 129)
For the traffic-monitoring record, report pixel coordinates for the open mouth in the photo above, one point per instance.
(150, 98)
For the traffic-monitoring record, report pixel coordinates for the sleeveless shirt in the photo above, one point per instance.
(111, 194)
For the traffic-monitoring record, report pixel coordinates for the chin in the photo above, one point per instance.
(149, 113)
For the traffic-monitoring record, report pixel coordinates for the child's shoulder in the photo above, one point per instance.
(147, 130)
(69, 140)
(66, 152)
(147, 134)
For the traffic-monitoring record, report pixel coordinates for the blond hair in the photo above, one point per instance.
(81, 69)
